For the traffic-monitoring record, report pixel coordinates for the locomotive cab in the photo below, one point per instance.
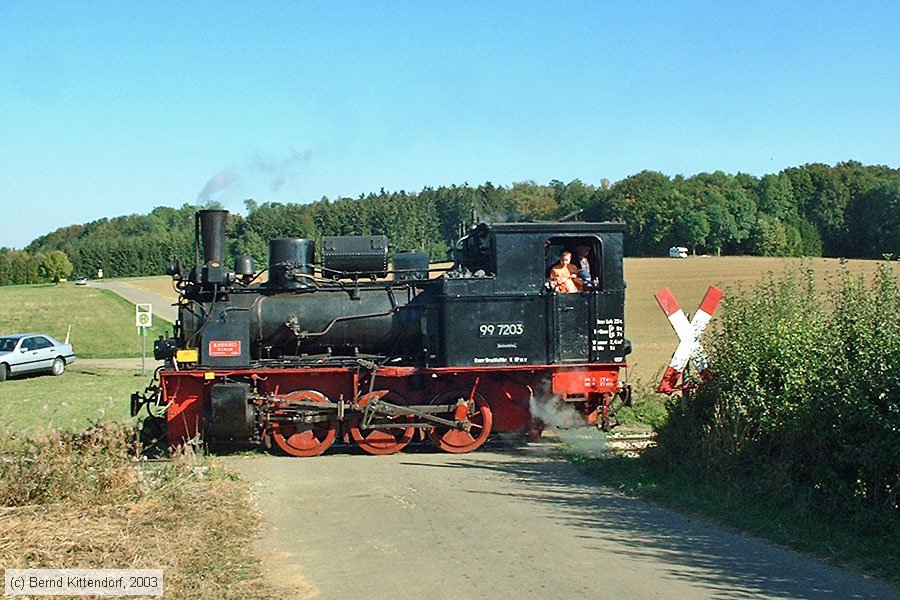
(497, 308)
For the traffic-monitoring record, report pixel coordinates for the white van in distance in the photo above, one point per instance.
(678, 252)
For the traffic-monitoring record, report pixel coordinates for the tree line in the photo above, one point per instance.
(849, 209)
(19, 267)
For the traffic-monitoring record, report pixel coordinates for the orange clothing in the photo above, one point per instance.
(564, 278)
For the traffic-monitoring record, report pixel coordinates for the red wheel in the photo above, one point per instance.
(381, 441)
(304, 439)
(475, 412)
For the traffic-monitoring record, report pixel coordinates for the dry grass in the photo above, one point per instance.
(201, 547)
(81, 501)
(193, 544)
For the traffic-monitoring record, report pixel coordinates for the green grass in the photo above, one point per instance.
(647, 410)
(871, 545)
(81, 396)
(102, 322)
(102, 327)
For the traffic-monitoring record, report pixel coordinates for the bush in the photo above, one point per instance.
(806, 392)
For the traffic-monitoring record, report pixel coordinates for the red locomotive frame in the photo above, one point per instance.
(417, 402)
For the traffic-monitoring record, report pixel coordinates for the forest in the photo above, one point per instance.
(846, 210)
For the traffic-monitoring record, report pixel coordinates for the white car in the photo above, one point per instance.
(33, 352)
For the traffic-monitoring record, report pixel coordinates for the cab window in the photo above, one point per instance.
(586, 253)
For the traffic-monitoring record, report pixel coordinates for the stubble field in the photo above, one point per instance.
(645, 323)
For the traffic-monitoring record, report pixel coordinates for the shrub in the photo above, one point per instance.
(806, 391)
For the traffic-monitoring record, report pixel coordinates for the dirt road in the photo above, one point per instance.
(504, 523)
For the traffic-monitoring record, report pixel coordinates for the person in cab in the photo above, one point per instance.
(564, 275)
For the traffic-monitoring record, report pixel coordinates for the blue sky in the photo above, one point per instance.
(115, 108)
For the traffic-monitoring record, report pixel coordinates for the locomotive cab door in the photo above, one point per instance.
(572, 326)
(571, 314)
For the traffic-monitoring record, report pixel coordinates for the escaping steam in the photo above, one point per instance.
(555, 413)
(569, 425)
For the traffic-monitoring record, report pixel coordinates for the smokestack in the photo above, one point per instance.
(212, 231)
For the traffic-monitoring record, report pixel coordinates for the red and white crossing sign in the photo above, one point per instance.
(689, 333)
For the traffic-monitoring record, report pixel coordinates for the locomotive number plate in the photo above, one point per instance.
(225, 348)
(486, 330)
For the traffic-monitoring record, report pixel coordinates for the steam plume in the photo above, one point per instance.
(569, 425)
(257, 172)
(218, 182)
(553, 412)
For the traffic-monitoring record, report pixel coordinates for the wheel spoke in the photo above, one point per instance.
(455, 438)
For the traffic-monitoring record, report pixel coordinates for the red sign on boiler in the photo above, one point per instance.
(224, 348)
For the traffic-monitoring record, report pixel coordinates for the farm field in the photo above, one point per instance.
(646, 325)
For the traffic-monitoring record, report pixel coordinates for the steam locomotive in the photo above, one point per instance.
(336, 345)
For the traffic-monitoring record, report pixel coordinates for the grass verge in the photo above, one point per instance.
(786, 518)
(81, 501)
(81, 396)
(102, 323)
(647, 410)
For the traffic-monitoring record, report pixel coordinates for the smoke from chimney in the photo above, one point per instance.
(256, 173)
(218, 182)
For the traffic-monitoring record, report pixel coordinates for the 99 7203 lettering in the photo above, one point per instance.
(500, 329)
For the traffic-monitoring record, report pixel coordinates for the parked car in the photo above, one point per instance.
(33, 352)
(81, 281)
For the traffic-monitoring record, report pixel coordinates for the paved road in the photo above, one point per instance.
(505, 523)
(163, 307)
